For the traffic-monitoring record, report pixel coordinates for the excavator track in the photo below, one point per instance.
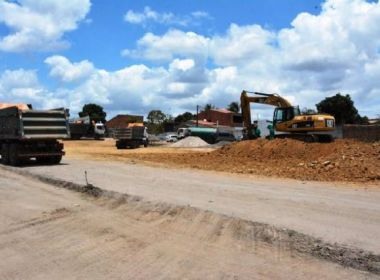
(308, 138)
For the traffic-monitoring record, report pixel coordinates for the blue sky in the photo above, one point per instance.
(135, 56)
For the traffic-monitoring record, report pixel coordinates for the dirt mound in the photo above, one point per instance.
(340, 160)
(190, 142)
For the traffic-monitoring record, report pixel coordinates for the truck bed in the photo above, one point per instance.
(33, 124)
(136, 132)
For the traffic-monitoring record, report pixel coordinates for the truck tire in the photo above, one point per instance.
(55, 159)
(5, 154)
(42, 160)
(121, 145)
(14, 160)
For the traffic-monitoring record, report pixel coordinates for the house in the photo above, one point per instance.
(222, 117)
(121, 121)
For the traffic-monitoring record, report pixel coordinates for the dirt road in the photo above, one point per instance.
(346, 214)
(52, 233)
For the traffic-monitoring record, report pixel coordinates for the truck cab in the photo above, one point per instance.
(99, 130)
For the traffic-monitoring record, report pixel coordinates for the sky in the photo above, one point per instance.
(135, 56)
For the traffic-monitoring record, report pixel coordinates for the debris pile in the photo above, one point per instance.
(346, 160)
(342, 160)
(190, 142)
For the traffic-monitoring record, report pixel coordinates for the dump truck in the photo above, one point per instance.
(84, 127)
(26, 133)
(132, 136)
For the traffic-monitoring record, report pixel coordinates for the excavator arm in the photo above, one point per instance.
(261, 98)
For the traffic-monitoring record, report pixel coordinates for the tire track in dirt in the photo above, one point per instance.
(216, 227)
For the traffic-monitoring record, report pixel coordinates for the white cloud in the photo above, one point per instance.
(337, 50)
(23, 86)
(66, 71)
(184, 64)
(37, 25)
(166, 18)
(242, 42)
(171, 44)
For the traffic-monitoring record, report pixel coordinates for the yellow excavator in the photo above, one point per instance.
(288, 119)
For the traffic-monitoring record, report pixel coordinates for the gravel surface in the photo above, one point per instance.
(333, 212)
(53, 233)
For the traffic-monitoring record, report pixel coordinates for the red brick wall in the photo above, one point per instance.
(215, 116)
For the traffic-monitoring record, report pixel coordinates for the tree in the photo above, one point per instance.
(94, 111)
(341, 107)
(156, 117)
(187, 116)
(234, 107)
(209, 106)
(308, 111)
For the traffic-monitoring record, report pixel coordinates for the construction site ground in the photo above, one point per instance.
(152, 213)
(53, 233)
(342, 160)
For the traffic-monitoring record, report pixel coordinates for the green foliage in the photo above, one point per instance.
(94, 111)
(156, 117)
(187, 116)
(209, 106)
(234, 107)
(157, 120)
(342, 108)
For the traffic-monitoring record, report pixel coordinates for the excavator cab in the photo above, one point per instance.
(285, 114)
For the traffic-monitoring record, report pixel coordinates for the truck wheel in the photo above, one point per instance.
(42, 160)
(14, 160)
(5, 154)
(55, 159)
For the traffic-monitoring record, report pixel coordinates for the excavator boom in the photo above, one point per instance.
(266, 98)
(261, 98)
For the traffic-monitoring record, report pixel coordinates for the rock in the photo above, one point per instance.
(327, 162)
(301, 164)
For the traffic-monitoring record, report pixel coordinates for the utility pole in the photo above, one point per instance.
(197, 114)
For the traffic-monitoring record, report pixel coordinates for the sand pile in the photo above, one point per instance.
(190, 142)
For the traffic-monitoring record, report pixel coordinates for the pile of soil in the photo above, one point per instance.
(342, 160)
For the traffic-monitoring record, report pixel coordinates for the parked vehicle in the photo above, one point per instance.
(84, 127)
(132, 136)
(183, 132)
(26, 133)
(208, 134)
(171, 138)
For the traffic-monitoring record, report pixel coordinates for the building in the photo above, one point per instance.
(121, 121)
(222, 117)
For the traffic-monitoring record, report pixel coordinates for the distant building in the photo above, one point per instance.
(121, 121)
(221, 117)
(374, 121)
